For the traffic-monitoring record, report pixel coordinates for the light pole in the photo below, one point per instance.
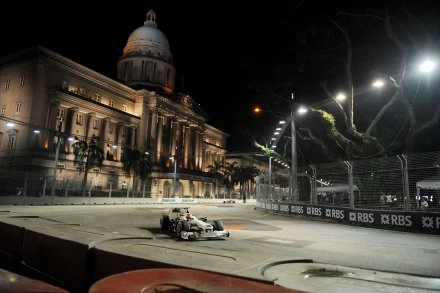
(270, 178)
(293, 190)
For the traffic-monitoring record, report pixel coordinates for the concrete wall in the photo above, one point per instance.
(74, 257)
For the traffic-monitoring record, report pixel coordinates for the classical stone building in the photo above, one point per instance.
(45, 96)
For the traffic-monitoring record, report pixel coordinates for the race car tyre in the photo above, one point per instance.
(165, 222)
(182, 226)
(218, 225)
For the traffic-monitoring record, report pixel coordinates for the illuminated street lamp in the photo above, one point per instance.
(340, 97)
(427, 66)
(378, 83)
(283, 124)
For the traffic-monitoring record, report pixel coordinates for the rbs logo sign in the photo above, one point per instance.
(334, 213)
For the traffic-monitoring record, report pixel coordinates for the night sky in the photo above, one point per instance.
(224, 51)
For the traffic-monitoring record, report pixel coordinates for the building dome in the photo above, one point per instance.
(147, 61)
(148, 39)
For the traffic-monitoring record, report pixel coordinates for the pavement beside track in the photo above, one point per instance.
(74, 257)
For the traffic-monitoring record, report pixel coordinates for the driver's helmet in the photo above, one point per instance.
(189, 216)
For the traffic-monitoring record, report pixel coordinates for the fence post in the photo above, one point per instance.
(44, 187)
(405, 182)
(26, 178)
(350, 183)
(314, 190)
(25, 186)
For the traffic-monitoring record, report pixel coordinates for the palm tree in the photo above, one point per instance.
(248, 177)
(230, 178)
(87, 156)
(136, 164)
(244, 176)
(217, 170)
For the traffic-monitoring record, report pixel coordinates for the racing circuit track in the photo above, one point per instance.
(262, 246)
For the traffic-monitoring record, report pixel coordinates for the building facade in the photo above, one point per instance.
(46, 98)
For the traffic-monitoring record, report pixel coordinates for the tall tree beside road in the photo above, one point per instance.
(136, 164)
(218, 170)
(345, 51)
(86, 157)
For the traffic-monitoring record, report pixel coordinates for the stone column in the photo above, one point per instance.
(187, 146)
(119, 140)
(133, 137)
(197, 153)
(104, 133)
(179, 143)
(89, 127)
(173, 134)
(72, 120)
(52, 126)
(153, 135)
(142, 110)
(204, 160)
(159, 138)
(71, 125)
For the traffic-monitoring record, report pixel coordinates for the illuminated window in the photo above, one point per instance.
(22, 80)
(124, 108)
(79, 119)
(65, 85)
(95, 124)
(60, 113)
(7, 83)
(17, 108)
(12, 142)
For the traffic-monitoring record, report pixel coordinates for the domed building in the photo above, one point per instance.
(147, 60)
(50, 103)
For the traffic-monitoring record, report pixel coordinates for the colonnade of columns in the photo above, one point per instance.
(163, 136)
(166, 137)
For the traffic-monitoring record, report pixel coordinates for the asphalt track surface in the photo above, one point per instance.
(298, 248)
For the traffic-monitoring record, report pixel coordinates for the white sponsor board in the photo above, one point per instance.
(176, 200)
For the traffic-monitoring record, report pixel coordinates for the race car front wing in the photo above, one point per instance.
(195, 235)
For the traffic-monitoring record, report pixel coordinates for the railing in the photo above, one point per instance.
(404, 183)
(401, 183)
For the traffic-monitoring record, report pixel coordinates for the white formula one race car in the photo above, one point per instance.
(187, 226)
